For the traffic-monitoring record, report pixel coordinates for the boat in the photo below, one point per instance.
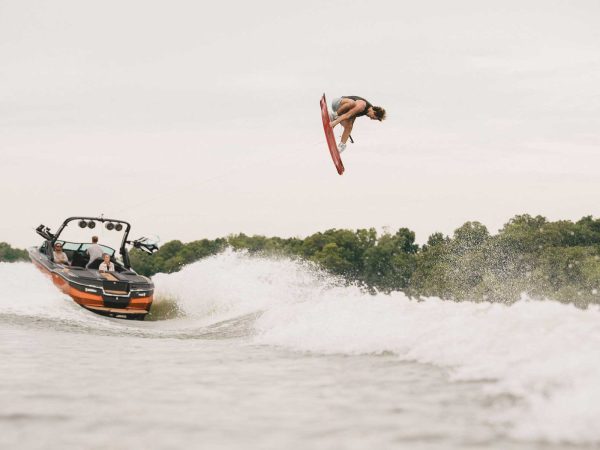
(121, 293)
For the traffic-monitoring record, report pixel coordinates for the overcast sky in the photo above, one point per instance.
(199, 119)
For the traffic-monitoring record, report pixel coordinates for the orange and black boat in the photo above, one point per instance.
(121, 293)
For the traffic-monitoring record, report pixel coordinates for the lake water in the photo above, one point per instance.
(273, 354)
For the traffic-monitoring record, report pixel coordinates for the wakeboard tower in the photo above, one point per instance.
(333, 149)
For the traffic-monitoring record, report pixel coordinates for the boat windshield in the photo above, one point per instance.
(76, 246)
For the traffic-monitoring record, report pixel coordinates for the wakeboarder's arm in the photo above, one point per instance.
(357, 108)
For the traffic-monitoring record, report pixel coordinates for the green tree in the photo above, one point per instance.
(10, 254)
(389, 265)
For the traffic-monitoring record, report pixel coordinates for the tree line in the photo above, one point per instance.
(530, 255)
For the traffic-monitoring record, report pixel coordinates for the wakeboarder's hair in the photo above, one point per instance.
(379, 113)
(95, 239)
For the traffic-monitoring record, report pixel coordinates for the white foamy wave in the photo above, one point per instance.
(27, 293)
(232, 284)
(544, 355)
(24, 290)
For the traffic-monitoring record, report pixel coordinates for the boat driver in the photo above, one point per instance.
(58, 255)
(94, 251)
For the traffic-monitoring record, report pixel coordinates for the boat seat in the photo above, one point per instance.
(95, 264)
(77, 259)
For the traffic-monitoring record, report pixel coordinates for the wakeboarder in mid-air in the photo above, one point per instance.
(345, 111)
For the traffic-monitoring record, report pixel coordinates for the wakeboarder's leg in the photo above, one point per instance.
(335, 105)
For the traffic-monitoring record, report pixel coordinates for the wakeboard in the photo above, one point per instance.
(333, 149)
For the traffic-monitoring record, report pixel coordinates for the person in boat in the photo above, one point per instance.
(59, 256)
(106, 265)
(94, 251)
(345, 111)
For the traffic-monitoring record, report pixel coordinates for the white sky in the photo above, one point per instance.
(199, 119)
